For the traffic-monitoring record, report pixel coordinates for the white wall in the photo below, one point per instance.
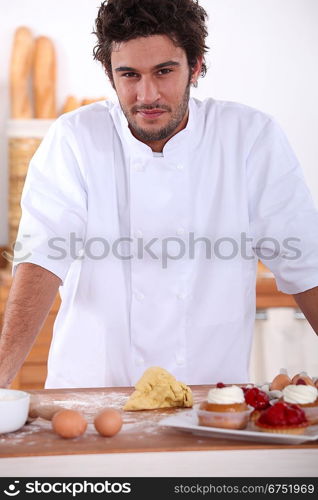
(263, 53)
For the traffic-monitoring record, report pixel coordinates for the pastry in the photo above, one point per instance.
(20, 73)
(258, 399)
(44, 78)
(157, 388)
(225, 407)
(306, 396)
(282, 418)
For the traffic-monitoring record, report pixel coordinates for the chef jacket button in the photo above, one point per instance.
(139, 362)
(138, 233)
(180, 166)
(181, 296)
(81, 252)
(139, 296)
(180, 231)
(180, 360)
(138, 167)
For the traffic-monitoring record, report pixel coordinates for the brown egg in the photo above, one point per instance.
(69, 423)
(108, 422)
(302, 377)
(279, 382)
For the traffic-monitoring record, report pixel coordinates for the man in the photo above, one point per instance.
(150, 215)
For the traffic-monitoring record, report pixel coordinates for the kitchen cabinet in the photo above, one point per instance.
(267, 295)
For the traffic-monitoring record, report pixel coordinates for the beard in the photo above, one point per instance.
(149, 135)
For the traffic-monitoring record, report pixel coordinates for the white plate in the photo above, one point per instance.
(188, 422)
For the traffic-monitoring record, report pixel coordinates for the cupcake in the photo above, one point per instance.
(258, 399)
(225, 407)
(283, 418)
(305, 396)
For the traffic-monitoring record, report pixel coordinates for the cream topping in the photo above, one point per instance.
(300, 394)
(226, 395)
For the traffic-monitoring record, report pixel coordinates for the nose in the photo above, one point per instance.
(147, 90)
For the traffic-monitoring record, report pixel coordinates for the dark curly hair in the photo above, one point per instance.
(183, 21)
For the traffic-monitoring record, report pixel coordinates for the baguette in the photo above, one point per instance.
(70, 104)
(20, 73)
(91, 100)
(44, 79)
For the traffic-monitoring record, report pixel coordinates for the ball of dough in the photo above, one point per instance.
(69, 423)
(108, 422)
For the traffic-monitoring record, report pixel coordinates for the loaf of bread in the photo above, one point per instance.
(44, 78)
(91, 100)
(20, 73)
(70, 104)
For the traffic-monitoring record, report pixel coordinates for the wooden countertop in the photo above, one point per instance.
(140, 431)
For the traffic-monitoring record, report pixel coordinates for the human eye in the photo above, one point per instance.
(129, 74)
(164, 71)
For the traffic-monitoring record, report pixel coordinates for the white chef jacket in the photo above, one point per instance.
(229, 172)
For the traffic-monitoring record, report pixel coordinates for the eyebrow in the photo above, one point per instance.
(158, 66)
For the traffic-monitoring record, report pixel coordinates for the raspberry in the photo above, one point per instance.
(256, 398)
(274, 415)
(220, 385)
(301, 381)
(283, 414)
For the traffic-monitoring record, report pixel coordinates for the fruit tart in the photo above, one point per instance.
(282, 418)
(258, 399)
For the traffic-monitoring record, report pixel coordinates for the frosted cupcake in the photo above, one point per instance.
(225, 407)
(305, 396)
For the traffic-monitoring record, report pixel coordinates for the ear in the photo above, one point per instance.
(196, 71)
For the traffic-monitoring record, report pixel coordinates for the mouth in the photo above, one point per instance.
(151, 114)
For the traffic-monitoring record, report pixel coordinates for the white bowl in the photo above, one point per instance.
(14, 409)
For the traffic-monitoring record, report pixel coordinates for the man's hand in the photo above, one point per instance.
(30, 299)
(308, 303)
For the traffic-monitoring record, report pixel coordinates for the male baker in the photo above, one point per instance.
(149, 215)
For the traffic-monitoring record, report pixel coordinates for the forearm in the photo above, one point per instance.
(308, 303)
(31, 296)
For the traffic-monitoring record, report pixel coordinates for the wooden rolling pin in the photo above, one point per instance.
(20, 73)
(44, 404)
(44, 78)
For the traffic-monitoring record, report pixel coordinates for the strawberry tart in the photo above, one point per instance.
(282, 418)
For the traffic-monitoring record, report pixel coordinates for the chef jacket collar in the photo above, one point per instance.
(178, 142)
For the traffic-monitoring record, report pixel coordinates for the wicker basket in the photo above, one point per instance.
(24, 137)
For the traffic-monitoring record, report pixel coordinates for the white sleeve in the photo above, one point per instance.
(53, 203)
(283, 217)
